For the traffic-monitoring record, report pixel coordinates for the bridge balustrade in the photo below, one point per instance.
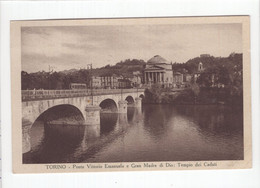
(48, 94)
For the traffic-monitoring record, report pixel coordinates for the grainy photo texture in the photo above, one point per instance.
(131, 94)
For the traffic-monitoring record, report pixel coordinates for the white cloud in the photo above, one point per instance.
(74, 47)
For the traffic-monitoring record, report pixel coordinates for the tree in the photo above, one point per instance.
(195, 89)
(154, 94)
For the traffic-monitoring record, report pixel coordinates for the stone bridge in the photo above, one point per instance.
(73, 107)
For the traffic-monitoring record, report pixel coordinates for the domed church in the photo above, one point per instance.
(158, 71)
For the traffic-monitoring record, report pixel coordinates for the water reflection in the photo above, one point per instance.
(130, 114)
(156, 126)
(216, 120)
(151, 133)
(107, 122)
(57, 143)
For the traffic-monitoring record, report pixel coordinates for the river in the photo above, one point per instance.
(153, 133)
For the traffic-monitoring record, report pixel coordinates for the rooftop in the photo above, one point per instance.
(157, 60)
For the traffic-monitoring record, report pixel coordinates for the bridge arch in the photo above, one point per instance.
(50, 123)
(108, 105)
(130, 100)
(62, 113)
(35, 105)
(141, 96)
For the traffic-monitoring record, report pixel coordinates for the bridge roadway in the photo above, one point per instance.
(84, 107)
(28, 95)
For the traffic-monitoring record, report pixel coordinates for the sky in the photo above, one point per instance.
(68, 47)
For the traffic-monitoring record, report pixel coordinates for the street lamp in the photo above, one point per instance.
(89, 66)
(50, 72)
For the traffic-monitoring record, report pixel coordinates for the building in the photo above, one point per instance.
(177, 79)
(158, 71)
(124, 83)
(187, 79)
(200, 70)
(96, 82)
(110, 81)
(136, 79)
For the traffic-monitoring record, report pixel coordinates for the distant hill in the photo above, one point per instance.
(234, 59)
(69, 71)
(62, 79)
(124, 68)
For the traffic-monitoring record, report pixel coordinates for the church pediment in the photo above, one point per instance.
(154, 67)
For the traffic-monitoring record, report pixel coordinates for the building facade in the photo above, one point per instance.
(96, 82)
(177, 79)
(124, 83)
(198, 73)
(204, 55)
(158, 71)
(137, 79)
(110, 82)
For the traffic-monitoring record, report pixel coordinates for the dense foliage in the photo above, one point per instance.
(220, 82)
(124, 68)
(55, 80)
(191, 65)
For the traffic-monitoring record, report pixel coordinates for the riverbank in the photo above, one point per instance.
(206, 96)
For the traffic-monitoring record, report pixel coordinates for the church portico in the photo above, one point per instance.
(158, 71)
(154, 77)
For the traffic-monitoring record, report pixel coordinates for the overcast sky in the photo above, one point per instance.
(73, 47)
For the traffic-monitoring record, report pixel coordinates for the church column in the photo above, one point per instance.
(152, 76)
(163, 77)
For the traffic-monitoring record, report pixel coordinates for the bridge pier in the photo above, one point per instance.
(35, 103)
(122, 106)
(92, 115)
(138, 102)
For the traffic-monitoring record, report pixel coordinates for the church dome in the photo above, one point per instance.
(157, 60)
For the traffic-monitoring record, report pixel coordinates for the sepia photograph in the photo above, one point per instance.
(131, 93)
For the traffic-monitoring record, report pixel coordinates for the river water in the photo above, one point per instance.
(153, 133)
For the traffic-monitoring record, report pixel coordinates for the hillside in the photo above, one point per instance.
(124, 68)
(62, 79)
(191, 65)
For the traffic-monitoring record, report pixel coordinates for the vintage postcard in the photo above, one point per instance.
(131, 94)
